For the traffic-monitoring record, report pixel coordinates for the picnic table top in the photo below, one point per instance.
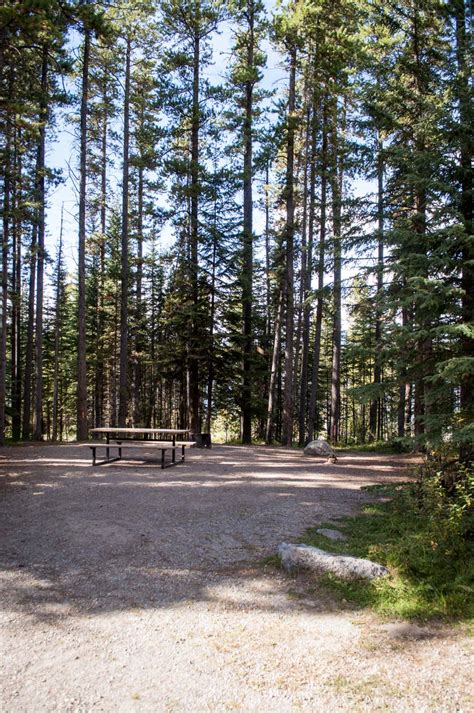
(113, 429)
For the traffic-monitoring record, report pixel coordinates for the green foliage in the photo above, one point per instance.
(424, 534)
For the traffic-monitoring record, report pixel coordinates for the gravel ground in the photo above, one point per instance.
(128, 588)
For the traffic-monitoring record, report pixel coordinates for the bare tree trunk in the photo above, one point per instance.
(137, 365)
(247, 252)
(375, 418)
(269, 433)
(100, 365)
(124, 277)
(81, 305)
(336, 190)
(193, 357)
(16, 293)
(304, 256)
(268, 319)
(41, 199)
(307, 287)
(312, 413)
(29, 351)
(210, 374)
(287, 424)
(464, 97)
(57, 331)
(4, 283)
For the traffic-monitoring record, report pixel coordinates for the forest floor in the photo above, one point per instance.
(128, 588)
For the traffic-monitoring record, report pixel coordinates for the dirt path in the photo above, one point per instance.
(128, 588)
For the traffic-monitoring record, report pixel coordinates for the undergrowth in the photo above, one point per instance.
(423, 532)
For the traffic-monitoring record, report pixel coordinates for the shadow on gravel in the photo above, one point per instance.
(77, 540)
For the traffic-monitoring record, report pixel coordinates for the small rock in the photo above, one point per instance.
(343, 566)
(320, 448)
(331, 534)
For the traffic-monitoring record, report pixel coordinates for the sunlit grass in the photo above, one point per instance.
(424, 537)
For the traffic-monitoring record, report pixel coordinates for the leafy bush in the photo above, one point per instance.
(424, 535)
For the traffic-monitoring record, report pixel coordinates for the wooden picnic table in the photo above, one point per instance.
(140, 433)
(136, 438)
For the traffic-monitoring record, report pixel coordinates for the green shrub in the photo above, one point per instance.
(424, 534)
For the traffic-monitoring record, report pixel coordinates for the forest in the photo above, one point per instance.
(269, 261)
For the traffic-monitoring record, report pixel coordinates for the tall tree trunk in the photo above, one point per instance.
(100, 363)
(210, 373)
(16, 291)
(270, 430)
(81, 303)
(57, 331)
(268, 312)
(41, 201)
(419, 223)
(287, 424)
(193, 355)
(29, 350)
(307, 285)
(124, 277)
(375, 416)
(247, 252)
(4, 281)
(304, 254)
(336, 190)
(312, 410)
(137, 365)
(464, 97)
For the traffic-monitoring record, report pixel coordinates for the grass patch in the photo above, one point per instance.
(424, 534)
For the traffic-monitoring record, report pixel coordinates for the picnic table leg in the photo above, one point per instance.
(93, 457)
(107, 451)
(162, 458)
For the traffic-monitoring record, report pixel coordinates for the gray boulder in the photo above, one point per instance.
(319, 448)
(319, 561)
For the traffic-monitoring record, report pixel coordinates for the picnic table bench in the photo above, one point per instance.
(133, 438)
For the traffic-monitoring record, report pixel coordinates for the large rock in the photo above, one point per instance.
(319, 448)
(343, 566)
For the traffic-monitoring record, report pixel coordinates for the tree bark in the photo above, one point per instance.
(124, 276)
(16, 291)
(336, 190)
(41, 200)
(4, 281)
(210, 373)
(81, 304)
(307, 285)
(100, 364)
(375, 416)
(287, 424)
(270, 431)
(302, 292)
(57, 332)
(247, 252)
(464, 97)
(312, 410)
(193, 349)
(137, 364)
